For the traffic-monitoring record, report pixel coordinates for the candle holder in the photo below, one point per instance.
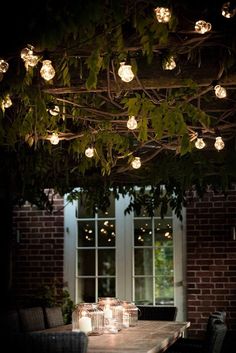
(130, 313)
(113, 314)
(89, 318)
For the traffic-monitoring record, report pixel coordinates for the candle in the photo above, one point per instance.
(107, 313)
(85, 324)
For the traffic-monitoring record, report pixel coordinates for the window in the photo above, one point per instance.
(132, 257)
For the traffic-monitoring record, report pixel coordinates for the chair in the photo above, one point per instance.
(165, 313)
(48, 342)
(54, 317)
(212, 343)
(32, 319)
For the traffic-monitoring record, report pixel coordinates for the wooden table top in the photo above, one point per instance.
(146, 337)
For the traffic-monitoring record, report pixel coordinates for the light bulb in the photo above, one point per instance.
(55, 110)
(219, 143)
(26, 52)
(169, 64)
(200, 144)
(27, 55)
(89, 152)
(163, 14)
(132, 123)
(227, 10)
(202, 26)
(136, 163)
(3, 66)
(125, 72)
(47, 71)
(220, 91)
(54, 139)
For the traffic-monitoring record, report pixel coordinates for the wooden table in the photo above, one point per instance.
(146, 337)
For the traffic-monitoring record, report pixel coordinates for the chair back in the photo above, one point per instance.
(32, 319)
(54, 316)
(215, 335)
(163, 313)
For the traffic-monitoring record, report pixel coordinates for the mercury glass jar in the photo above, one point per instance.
(113, 314)
(130, 313)
(89, 318)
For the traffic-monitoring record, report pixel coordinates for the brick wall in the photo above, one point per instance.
(37, 255)
(211, 259)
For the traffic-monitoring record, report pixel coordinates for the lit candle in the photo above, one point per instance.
(107, 313)
(85, 324)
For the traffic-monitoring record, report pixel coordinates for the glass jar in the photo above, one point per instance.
(89, 318)
(130, 313)
(113, 314)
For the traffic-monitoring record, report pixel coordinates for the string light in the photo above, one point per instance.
(220, 91)
(136, 163)
(54, 138)
(200, 144)
(163, 14)
(27, 55)
(202, 26)
(132, 123)
(89, 152)
(169, 63)
(47, 71)
(3, 66)
(227, 10)
(6, 102)
(125, 72)
(54, 111)
(219, 143)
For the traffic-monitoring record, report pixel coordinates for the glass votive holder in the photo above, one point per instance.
(89, 318)
(113, 314)
(130, 313)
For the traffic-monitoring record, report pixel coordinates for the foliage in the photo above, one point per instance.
(67, 307)
(86, 41)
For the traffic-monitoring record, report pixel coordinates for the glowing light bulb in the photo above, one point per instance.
(3, 66)
(228, 10)
(220, 91)
(132, 123)
(55, 110)
(125, 72)
(163, 14)
(47, 71)
(200, 144)
(89, 152)
(202, 26)
(54, 139)
(7, 102)
(136, 163)
(169, 64)
(27, 55)
(219, 143)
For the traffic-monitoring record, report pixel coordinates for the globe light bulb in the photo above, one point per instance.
(125, 72)
(132, 123)
(89, 152)
(28, 51)
(163, 14)
(200, 144)
(169, 64)
(3, 66)
(7, 102)
(202, 26)
(47, 71)
(54, 139)
(136, 163)
(219, 143)
(54, 111)
(27, 55)
(220, 91)
(227, 10)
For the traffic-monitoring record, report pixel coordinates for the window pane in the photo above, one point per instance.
(106, 287)
(142, 232)
(106, 262)
(164, 290)
(164, 259)
(86, 233)
(143, 290)
(83, 211)
(86, 290)
(143, 262)
(163, 229)
(86, 262)
(106, 233)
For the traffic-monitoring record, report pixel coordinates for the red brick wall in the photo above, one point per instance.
(38, 247)
(211, 259)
